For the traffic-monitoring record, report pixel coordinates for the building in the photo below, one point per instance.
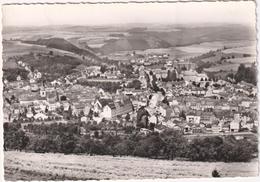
(234, 126)
(207, 117)
(184, 65)
(116, 108)
(191, 118)
(193, 76)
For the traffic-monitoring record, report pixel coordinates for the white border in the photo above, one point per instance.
(237, 179)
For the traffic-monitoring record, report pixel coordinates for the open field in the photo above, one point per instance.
(242, 50)
(184, 52)
(33, 166)
(15, 48)
(225, 67)
(245, 60)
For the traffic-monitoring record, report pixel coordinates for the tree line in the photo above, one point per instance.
(169, 144)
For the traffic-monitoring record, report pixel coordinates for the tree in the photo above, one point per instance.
(246, 74)
(103, 68)
(183, 68)
(171, 75)
(182, 114)
(140, 113)
(207, 84)
(127, 117)
(69, 112)
(165, 101)
(96, 134)
(162, 91)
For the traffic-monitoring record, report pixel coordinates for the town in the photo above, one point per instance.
(156, 92)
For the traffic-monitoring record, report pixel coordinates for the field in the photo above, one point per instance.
(16, 48)
(242, 50)
(225, 67)
(184, 52)
(32, 166)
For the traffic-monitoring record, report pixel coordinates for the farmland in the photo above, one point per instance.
(29, 166)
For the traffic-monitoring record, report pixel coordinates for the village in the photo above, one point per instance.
(160, 93)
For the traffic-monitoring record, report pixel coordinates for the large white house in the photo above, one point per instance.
(193, 76)
(109, 109)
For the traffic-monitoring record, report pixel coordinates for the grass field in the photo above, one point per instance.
(32, 166)
(226, 67)
(242, 50)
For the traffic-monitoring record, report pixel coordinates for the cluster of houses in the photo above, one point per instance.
(33, 75)
(110, 72)
(148, 59)
(190, 102)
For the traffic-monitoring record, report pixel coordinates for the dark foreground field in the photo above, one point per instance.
(32, 166)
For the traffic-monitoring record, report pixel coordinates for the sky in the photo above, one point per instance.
(105, 14)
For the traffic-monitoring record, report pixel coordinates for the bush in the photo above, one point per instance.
(215, 173)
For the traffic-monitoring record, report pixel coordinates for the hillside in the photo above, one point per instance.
(137, 41)
(49, 166)
(62, 44)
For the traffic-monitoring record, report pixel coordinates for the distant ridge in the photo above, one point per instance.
(141, 38)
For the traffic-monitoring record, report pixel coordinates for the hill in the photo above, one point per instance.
(136, 41)
(62, 44)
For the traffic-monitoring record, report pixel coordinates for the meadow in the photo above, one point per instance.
(50, 166)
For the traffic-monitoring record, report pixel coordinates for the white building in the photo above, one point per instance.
(193, 76)
(193, 119)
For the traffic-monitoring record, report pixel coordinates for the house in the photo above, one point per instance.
(112, 109)
(194, 119)
(249, 125)
(225, 127)
(193, 76)
(215, 128)
(207, 117)
(6, 114)
(152, 119)
(181, 64)
(208, 104)
(196, 130)
(53, 105)
(99, 104)
(234, 126)
(79, 108)
(237, 117)
(40, 116)
(65, 105)
(245, 104)
(187, 129)
(145, 131)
